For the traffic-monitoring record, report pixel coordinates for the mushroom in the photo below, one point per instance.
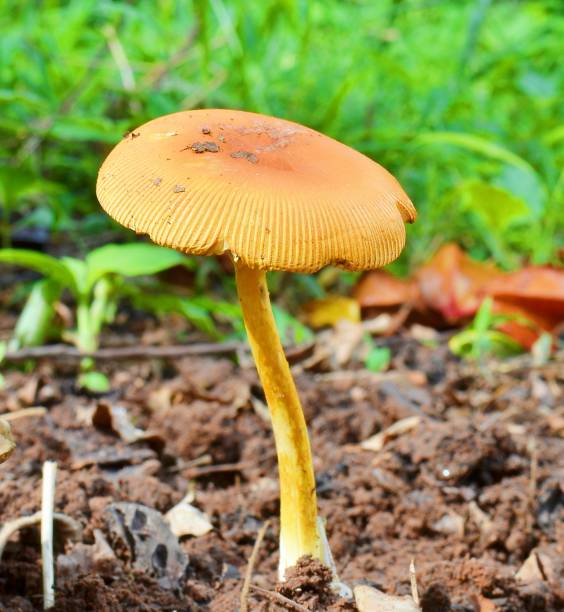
(275, 195)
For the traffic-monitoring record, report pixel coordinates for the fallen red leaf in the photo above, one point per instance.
(379, 289)
(453, 284)
(535, 288)
(535, 293)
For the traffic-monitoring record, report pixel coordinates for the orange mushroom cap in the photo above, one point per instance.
(276, 194)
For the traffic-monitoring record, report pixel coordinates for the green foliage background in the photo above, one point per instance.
(461, 100)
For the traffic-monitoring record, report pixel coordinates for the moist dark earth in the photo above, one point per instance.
(472, 490)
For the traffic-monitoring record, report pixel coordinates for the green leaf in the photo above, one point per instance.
(162, 303)
(35, 323)
(135, 259)
(497, 207)
(39, 262)
(96, 382)
(475, 144)
(524, 185)
(554, 136)
(17, 183)
(378, 359)
(77, 269)
(479, 339)
(483, 319)
(291, 330)
(82, 128)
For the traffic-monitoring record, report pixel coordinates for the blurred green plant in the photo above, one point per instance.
(461, 100)
(99, 283)
(96, 284)
(378, 358)
(482, 338)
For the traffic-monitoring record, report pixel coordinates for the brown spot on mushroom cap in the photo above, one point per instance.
(251, 157)
(321, 201)
(203, 147)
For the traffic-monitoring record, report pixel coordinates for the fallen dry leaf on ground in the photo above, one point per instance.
(7, 444)
(535, 293)
(117, 420)
(380, 289)
(185, 519)
(368, 599)
(69, 529)
(453, 284)
(331, 310)
(153, 548)
(377, 441)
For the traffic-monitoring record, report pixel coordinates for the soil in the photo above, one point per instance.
(473, 492)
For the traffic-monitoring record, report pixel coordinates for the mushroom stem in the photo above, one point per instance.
(299, 533)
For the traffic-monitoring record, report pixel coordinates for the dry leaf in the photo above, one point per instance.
(148, 540)
(379, 289)
(69, 529)
(116, 419)
(530, 571)
(485, 605)
(331, 310)
(482, 521)
(336, 347)
(7, 444)
(453, 284)
(368, 599)
(185, 519)
(376, 442)
(537, 567)
(450, 524)
(535, 293)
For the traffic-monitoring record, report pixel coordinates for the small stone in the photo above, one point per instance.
(179, 188)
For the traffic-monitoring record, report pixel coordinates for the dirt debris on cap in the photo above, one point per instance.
(204, 147)
(250, 157)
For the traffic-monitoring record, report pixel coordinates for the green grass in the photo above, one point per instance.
(461, 100)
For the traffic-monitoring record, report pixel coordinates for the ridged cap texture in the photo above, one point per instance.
(273, 193)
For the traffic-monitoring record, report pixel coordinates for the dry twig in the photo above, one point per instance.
(413, 581)
(47, 506)
(120, 57)
(251, 566)
(32, 411)
(279, 599)
(10, 527)
(64, 351)
(206, 470)
(533, 475)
